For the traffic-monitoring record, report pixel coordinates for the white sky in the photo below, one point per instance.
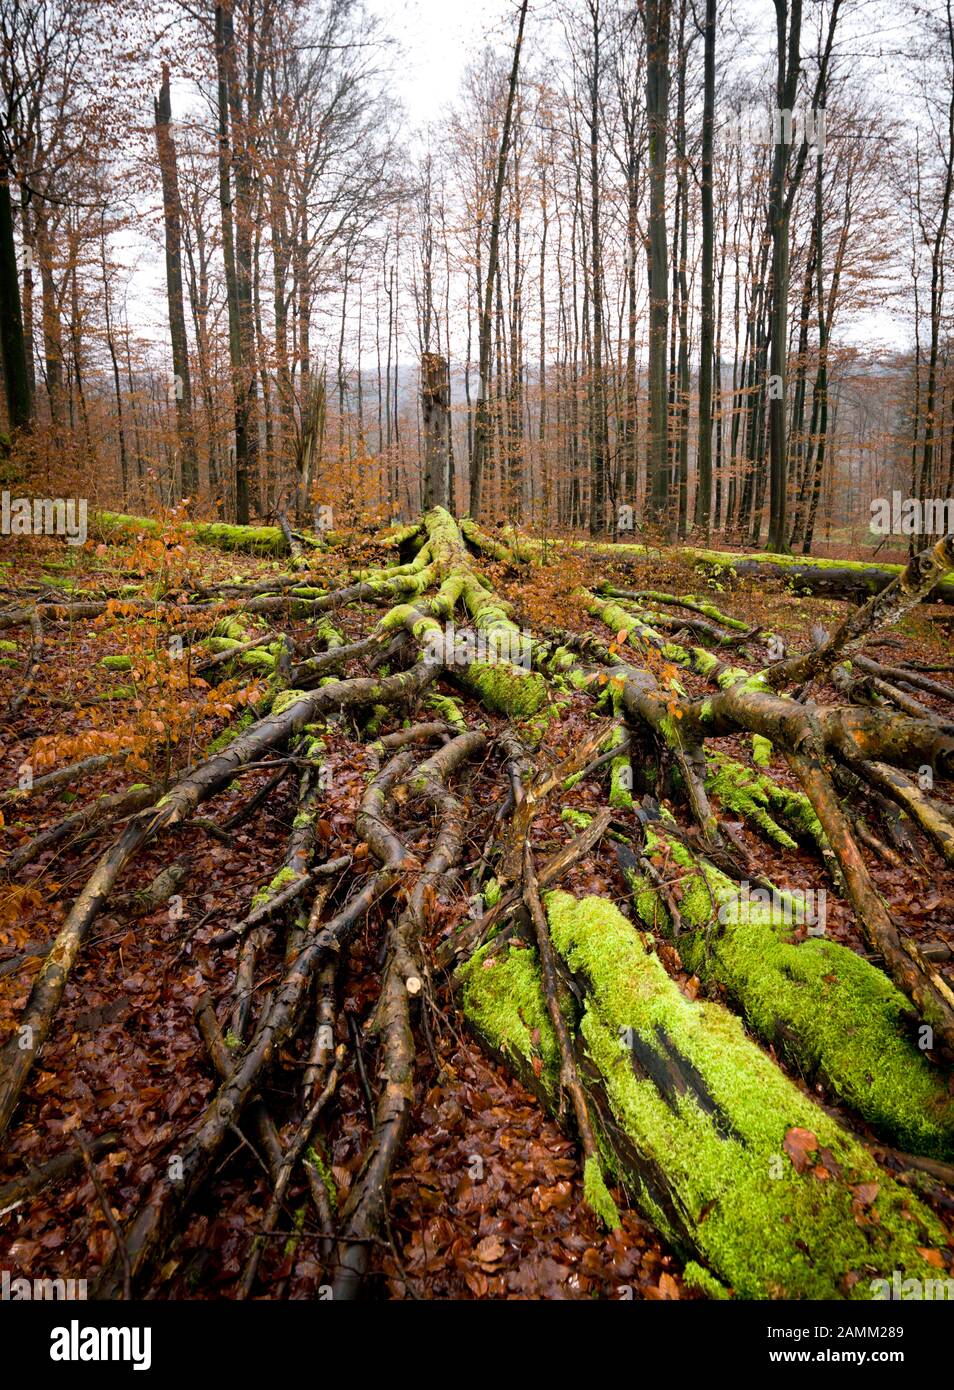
(438, 39)
(435, 41)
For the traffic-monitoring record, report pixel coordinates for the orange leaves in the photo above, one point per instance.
(560, 1195)
(116, 608)
(16, 901)
(933, 1257)
(808, 1155)
(863, 1194)
(55, 750)
(799, 1144)
(489, 1252)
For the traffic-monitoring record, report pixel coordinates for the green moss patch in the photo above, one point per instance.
(729, 1159)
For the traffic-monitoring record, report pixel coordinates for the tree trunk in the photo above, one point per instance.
(657, 21)
(703, 509)
(16, 378)
(482, 422)
(435, 410)
(172, 214)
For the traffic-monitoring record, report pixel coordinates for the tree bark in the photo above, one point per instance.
(172, 215)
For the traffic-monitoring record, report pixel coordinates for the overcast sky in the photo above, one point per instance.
(438, 39)
(435, 41)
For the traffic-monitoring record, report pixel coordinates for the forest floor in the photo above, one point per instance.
(487, 1198)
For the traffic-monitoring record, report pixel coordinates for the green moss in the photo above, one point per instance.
(266, 540)
(230, 734)
(705, 663)
(314, 1156)
(597, 1194)
(282, 879)
(326, 632)
(731, 676)
(754, 797)
(423, 626)
(116, 663)
(6, 646)
(506, 689)
(722, 1145)
(257, 539)
(234, 629)
(621, 795)
(57, 581)
(286, 698)
(578, 819)
(492, 892)
(448, 709)
(695, 1277)
(669, 728)
(834, 1015)
(397, 617)
(260, 659)
(402, 535)
(377, 718)
(504, 1001)
(534, 729)
(761, 751)
(298, 1225)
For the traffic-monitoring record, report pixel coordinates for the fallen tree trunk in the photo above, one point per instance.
(855, 580)
(831, 1014)
(256, 540)
(724, 1154)
(844, 579)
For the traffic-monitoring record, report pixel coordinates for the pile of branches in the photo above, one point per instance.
(676, 1108)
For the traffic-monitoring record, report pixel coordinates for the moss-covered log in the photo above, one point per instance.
(845, 579)
(715, 1145)
(255, 540)
(833, 1015)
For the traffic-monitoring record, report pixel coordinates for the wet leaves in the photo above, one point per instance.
(490, 1204)
(487, 1200)
(800, 1145)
